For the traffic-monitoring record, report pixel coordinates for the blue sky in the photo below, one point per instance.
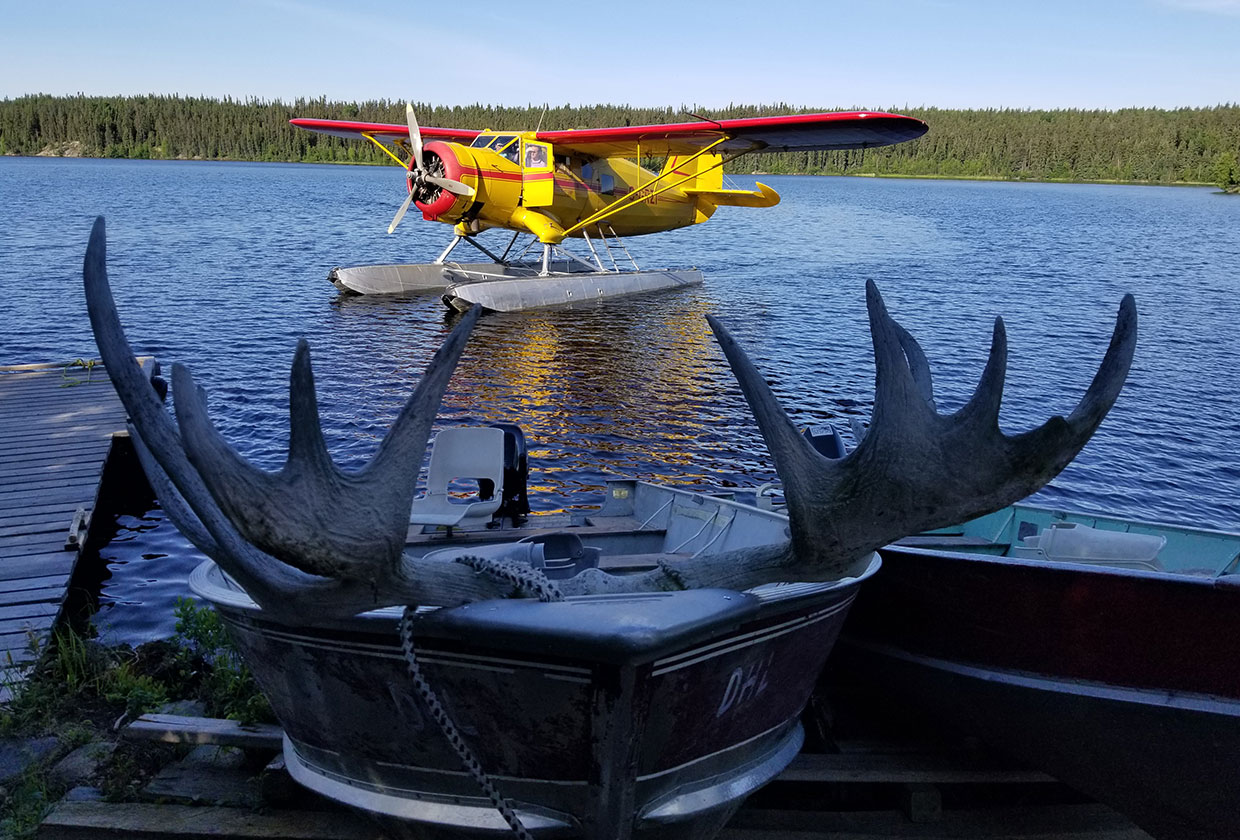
(867, 53)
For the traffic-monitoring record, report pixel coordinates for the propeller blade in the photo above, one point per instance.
(415, 135)
(454, 187)
(400, 214)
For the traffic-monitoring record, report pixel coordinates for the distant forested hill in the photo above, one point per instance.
(1193, 145)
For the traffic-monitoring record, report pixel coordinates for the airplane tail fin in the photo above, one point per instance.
(706, 186)
(705, 169)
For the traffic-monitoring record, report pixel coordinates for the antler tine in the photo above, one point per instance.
(305, 438)
(786, 445)
(918, 365)
(400, 454)
(144, 407)
(170, 499)
(982, 409)
(1107, 382)
(283, 513)
(902, 380)
(1066, 437)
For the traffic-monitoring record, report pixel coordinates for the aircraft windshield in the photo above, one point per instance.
(504, 144)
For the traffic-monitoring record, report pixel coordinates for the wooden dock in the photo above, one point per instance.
(57, 427)
(866, 791)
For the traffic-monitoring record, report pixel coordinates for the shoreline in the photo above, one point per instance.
(911, 177)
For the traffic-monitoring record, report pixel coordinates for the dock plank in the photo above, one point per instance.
(59, 524)
(19, 648)
(895, 766)
(54, 482)
(902, 769)
(48, 467)
(55, 458)
(17, 626)
(48, 496)
(29, 583)
(46, 544)
(33, 595)
(36, 436)
(106, 820)
(1028, 822)
(38, 565)
(36, 514)
(54, 537)
(176, 729)
(34, 611)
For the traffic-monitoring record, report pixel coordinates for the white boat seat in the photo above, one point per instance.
(1068, 542)
(462, 452)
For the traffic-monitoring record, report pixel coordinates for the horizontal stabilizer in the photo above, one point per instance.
(763, 196)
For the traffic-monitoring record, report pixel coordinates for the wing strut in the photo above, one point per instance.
(384, 149)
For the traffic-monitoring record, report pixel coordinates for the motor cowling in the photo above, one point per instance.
(515, 504)
(452, 161)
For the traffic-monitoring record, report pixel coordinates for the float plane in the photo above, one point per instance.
(585, 184)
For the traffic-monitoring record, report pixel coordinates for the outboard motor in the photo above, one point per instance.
(515, 505)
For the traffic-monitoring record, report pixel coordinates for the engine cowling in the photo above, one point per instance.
(453, 161)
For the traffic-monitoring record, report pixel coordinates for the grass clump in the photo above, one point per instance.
(81, 690)
(226, 684)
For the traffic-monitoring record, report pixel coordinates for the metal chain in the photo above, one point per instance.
(525, 579)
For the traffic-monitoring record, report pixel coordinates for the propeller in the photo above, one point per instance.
(424, 180)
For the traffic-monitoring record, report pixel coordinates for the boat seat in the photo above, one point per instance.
(564, 555)
(462, 453)
(1069, 542)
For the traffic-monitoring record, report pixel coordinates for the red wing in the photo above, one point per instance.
(798, 132)
(381, 131)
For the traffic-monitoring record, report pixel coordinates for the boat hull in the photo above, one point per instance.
(1121, 683)
(642, 716)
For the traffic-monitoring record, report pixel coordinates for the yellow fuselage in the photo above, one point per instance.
(520, 185)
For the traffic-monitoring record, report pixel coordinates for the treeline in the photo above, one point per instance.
(1185, 145)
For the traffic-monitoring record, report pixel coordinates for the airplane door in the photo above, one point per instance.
(537, 174)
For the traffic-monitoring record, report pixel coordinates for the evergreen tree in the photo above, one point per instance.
(1183, 145)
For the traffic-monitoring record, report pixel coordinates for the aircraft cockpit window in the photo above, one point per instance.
(507, 146)
(504, 144)
(535, 156)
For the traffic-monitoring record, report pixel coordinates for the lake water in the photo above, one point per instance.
(222, 266)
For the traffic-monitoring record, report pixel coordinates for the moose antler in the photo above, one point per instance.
(914, 470)
(269, 531)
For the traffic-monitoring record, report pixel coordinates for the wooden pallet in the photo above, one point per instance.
(914, 778)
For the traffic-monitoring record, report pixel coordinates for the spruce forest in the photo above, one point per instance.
(1141, 145)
